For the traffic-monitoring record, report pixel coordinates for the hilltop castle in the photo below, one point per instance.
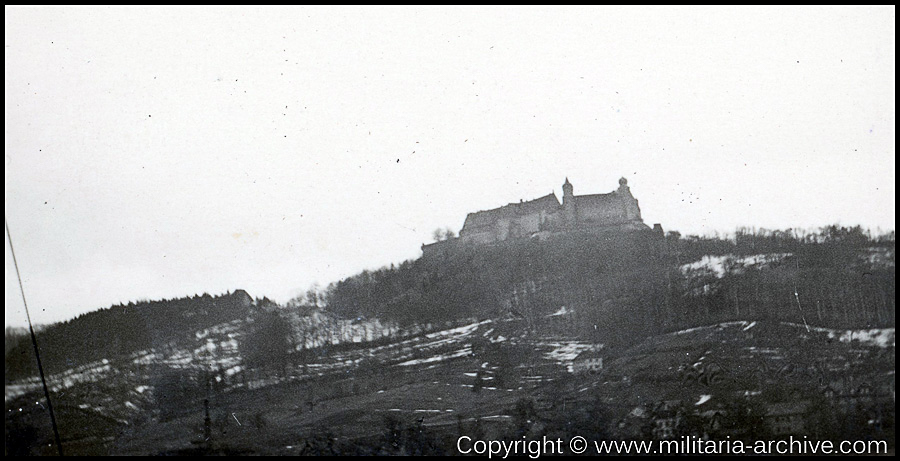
(542, 217)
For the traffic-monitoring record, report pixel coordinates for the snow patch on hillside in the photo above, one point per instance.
(720, 265)
(878, 337)
(745, 325)
(438, 358)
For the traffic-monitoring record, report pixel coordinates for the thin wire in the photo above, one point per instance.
(797, 297)
(37, 353)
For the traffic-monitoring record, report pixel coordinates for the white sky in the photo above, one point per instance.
(172, 151)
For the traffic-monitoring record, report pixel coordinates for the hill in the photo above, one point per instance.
(482, 340)
(628, 285)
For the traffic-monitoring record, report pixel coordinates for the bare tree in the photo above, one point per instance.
(437, 235)
(443, 234)
(449, 234)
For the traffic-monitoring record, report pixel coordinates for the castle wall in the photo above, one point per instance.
(438, 248)
(633, 211)
(554, 221)
(607, 210)
(600, 213)
(530, 223)
(478, 237)
(516, 226)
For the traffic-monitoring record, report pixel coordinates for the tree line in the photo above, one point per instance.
(628, 285)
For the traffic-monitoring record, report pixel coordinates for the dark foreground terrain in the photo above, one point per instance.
(419, 394)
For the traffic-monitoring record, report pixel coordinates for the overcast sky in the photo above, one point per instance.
(166, 152)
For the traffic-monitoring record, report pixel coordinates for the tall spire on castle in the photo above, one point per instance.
(569, 197)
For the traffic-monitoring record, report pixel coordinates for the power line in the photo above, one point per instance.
(797, 297)
(37, 353)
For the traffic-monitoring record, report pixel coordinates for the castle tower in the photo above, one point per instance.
(632, 210)
(568, 203)
(623, 187)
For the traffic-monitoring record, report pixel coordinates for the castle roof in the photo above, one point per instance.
(548, 203)
(596, 199)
